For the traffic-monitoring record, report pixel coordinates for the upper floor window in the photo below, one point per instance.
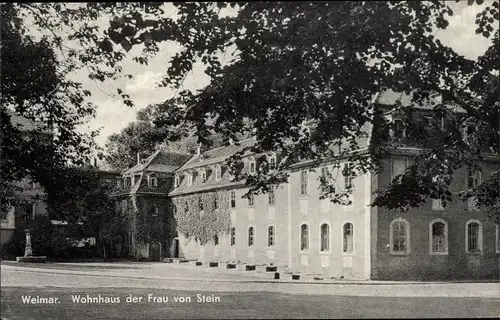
(348, 175)
(400, 236)
(203, 175)
(303, 182)
(177, 181)
(272, 161)
(174, 210)
(119, 183)
(233, 199)
(325, 237)
(216, 201)
(348, 238)
(270, 236)
(271, 197)
(473, 236)
(233, 236)
(29, 211)
(216, 240)
(250, 200)
(251, 165)
(438, 237)
(250, 236)
(304, 237)
(473, 178)
(399, 166)
(200, 203)
(156, 210)
(399, 128)
(217, 172)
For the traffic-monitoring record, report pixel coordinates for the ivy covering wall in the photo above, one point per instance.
(203, 225)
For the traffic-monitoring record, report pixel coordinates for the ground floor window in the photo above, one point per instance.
(270, 236)
(304, 237)
(438, 232)
(233, 236)
(348, 239)
(474, 236)
(250, 236)
(399, 236)
(325, 237)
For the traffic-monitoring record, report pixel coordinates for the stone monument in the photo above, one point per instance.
(28, 251)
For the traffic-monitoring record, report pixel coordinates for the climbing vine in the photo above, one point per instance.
(203, 225)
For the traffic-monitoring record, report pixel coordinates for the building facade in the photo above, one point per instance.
(292, 227)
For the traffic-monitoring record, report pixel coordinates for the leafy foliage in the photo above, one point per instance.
(293, 62)
(203, 226)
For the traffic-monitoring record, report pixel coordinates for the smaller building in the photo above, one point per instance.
(141, 198)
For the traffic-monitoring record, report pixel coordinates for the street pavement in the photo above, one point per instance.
(239, 296)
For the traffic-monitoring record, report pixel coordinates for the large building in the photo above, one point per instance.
(291, 226)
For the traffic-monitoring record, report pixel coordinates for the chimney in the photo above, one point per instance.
(138, 158)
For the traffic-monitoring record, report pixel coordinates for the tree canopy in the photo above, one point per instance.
(293, 62)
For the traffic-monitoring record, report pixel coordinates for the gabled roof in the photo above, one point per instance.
(160, 161)
(24, 124)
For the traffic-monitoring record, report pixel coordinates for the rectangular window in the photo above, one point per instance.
(303, 182)
(348, 177)
(250, 236)
(250, 200)
(473, 178)
(271, 196)
(154, 182)
(203, 177)
(233, 236)
(399, 166)
(233, 199)
(473, 244)
(270, 236)
(200, 203)
(436, 205)
(272, 163)
(216, 201)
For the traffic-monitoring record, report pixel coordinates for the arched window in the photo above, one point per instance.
(270, 236)
(233, 236)
(250, 236)
(304, 237)
(348, 238)
(400, 236)
(216, 240)
(217, 172)
(473, 236)
(251, 165)
(325, 237)
(438, 237)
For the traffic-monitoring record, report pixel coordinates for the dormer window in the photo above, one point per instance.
(203, 175)
(177, 181)
(251, 165)
(272, 161)
(399, 128)
(153, 182)
(189, 179)
(217, 172)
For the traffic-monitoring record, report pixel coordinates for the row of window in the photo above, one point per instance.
(218, 171)
(347, 239)
(347, 172)
(130, 181)
(399, 237)
(438, 237)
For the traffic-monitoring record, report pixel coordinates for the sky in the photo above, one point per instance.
(112, 115)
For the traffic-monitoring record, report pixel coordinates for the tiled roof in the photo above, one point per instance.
(210, 183)
(216, 155)
(160, 161)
